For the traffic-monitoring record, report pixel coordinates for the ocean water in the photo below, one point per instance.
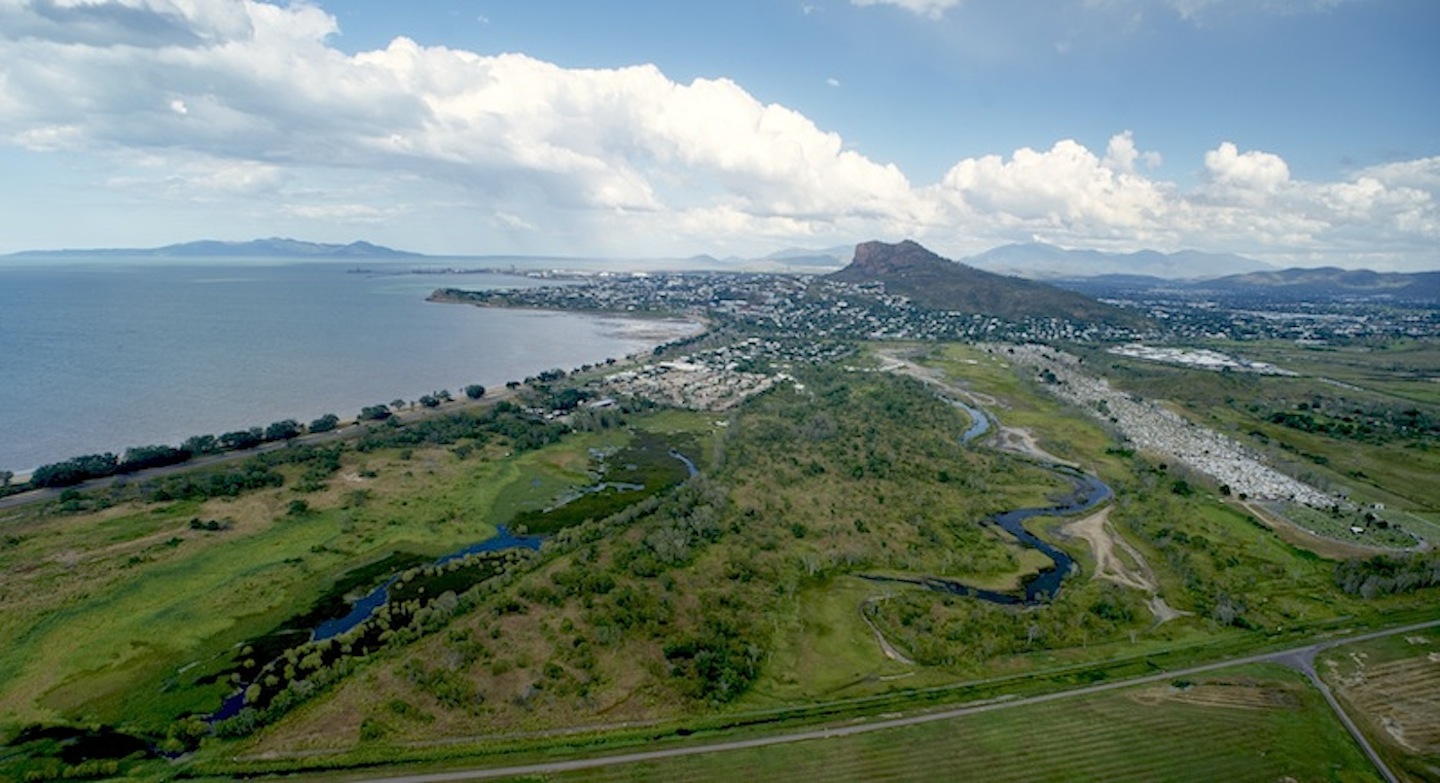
(100, 355)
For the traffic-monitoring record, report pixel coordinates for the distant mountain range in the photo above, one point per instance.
(1309, 283)
(1092, 273)
(908, 269)
(1040, 261)
(1292, 285)
(274, 247)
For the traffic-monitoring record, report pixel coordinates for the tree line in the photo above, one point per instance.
(77, 470)
(1388, 574)
(137, 458)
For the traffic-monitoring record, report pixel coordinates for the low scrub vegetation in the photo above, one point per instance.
(657, 597)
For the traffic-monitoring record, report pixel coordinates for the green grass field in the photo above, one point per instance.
(1259, 723)
(137, 596)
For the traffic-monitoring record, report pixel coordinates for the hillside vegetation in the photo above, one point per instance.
(936, 283)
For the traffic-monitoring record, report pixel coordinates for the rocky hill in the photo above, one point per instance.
(938, 283)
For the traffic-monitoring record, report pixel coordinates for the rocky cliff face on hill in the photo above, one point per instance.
(938, 283)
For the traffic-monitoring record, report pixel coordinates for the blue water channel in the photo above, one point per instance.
(979, 422)
(361, 610)
(366, 606)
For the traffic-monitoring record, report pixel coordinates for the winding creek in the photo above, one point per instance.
(1087, 492)
(366, 606)
(361, 610)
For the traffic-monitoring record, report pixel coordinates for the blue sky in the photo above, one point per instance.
(1300, 132)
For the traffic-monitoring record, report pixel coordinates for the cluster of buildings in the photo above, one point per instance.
(689, 385)
(1186, 317)
(783, 304)
(1202, 358)
(719, 378)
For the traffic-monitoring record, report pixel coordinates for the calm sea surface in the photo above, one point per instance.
(99, 356)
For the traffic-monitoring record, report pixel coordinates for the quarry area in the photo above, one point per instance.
(1154, 428)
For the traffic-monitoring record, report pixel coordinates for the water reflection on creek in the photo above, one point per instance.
(361, 610)
(366, 606)
(1087, 493)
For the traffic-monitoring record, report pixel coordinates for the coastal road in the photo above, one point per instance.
(349, 429)
(1301, 656)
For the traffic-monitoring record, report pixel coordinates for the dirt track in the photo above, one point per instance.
(1110, 566)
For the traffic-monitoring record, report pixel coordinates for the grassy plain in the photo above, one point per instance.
(134, 594)
(1258, 723)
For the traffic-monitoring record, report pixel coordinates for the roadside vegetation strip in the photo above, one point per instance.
(1090, 736)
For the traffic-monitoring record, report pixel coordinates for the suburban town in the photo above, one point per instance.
(820, 306)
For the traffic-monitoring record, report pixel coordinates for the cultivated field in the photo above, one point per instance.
(1258, 723)
(1392, 686)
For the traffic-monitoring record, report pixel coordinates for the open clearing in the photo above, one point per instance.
(1125, 567)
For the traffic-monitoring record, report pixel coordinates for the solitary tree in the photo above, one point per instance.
(325, 423)
(283, 430)
(474, 391)
(374, 413)
(6, 477)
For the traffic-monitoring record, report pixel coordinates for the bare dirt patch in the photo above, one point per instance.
(1022, 441)
(1402, 698)
(1130, 570)
(1234, 694)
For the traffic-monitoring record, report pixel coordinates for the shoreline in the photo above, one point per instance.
(348, 424)
(159, 353)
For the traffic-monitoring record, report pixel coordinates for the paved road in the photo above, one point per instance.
(1301, 657)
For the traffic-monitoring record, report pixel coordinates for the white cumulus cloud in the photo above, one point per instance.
(932, 9)
(248, 105)
(1260, 171)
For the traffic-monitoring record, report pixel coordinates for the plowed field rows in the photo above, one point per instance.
(1267, 730)
(1403, 698)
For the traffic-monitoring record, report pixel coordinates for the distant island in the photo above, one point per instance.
(255, 248)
